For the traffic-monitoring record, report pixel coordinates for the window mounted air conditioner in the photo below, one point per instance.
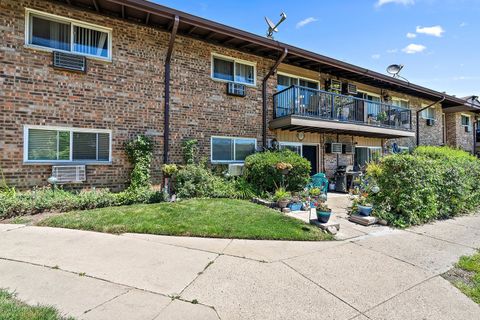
(68, 61)
(235, 89)
(430, 122)
(349, 88)
(348, 148)
(468, 129)
(69, 174)
(333, 148)
(235, 169)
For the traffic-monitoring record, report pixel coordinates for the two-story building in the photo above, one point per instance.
(80, 78)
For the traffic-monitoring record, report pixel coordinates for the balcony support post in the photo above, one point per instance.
(417, 119)
(264, 97)
(166, 129)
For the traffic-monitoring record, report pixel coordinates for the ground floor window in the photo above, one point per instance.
(295, 147)
(364, 155)
(465, 120)
(231, 149)
(55, 144)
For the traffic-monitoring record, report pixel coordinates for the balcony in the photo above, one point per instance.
(311, 110)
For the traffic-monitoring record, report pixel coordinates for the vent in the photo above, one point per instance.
(430, 122)
(69, 174)
(468, 129)
(68, 61)
(348, 148)
(235, 89)
(235, 169)
(349, 88)
(333, 148)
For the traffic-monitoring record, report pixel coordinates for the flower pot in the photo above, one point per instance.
(282, 203)
(323, 216)
(364, 210)
(295, 206)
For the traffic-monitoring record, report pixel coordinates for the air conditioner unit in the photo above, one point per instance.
(468, 129)
(348, 148)
(68, 61)
(69, 174)
(235, 169)
(349, 88)
(235, 89)
(430, 122)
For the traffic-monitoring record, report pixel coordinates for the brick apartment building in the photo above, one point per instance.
(143, 68)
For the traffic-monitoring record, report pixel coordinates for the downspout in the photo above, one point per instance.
(166, 129)
(417, 118)
(264, 97)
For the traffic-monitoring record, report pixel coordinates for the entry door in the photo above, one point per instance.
(310, 153)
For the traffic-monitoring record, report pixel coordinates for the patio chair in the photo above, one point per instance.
(320, 181)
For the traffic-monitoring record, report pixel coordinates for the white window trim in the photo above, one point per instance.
(231, 138)
(71, 130)
(423, 115)
(370, 94)
(469, 120)
(293, 144)
(401, 99)
(298, 77)
(73, 22)
(234, 60)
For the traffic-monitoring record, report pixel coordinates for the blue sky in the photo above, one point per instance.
(438, 41)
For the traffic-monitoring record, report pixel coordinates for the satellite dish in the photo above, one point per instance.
(273, 27)
(394, 70)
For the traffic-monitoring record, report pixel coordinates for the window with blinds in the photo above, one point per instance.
(66, 145)
(59, 33)
(229, 69)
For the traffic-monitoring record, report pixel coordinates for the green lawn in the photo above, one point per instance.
(222, 218)
(470, 284)
(13, 309)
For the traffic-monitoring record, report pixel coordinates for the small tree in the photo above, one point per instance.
(140, 154)
(190, 150)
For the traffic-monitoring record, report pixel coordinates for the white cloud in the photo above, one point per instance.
(414, 48)
(306, 21)
(376, 56)
(411, 35)
(392, 50)
(463, 24)
(435, 31)
(404, 2)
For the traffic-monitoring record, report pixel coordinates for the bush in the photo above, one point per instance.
(432, 183)
(260, 170)
(140, 154)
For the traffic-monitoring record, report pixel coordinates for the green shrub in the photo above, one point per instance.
(432, 183)
(190, 151)
(260, 170)
(140, 154)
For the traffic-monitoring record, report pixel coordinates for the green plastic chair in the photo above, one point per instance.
(320, 181)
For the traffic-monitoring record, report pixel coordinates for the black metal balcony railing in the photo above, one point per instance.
(312, 103)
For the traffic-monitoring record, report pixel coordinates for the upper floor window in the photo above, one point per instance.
(53, 32)
(466, 120)
(284, 81)
(229, 69)
(400, 103)
(55, 144)
(428, 113)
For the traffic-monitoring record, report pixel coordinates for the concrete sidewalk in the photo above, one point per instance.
(379, 274)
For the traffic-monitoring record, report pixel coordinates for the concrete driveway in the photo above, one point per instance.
(380, 274)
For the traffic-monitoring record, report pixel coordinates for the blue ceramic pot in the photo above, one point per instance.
(295, 206)
(323, 216)
(364, 210)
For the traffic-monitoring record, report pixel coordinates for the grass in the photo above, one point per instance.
(13, 309)
(470, 284)
(217, 218)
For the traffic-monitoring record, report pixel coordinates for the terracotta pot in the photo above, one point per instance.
(283, 203)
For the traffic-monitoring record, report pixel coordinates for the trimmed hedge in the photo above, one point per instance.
(432, 183)
(261, 172)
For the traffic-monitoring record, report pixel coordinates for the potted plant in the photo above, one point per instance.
(169, 170)
(282, 197)
(382, 116)
(323, 212)
(284, 167)
(364, 208)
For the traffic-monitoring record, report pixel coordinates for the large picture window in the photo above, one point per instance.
(53, 32)
(51, 144)
(229, 69)
(226, 149)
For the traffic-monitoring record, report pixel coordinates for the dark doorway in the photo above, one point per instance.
(310, 153)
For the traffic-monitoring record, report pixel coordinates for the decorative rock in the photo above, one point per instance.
(382, 222)
(286, 210)
(330, 227)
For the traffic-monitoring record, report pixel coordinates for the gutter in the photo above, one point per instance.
(166, 127)
(417, 118)
(264, 97)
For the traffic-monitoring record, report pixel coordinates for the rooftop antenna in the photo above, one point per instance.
(394, 70)
(273, 27)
